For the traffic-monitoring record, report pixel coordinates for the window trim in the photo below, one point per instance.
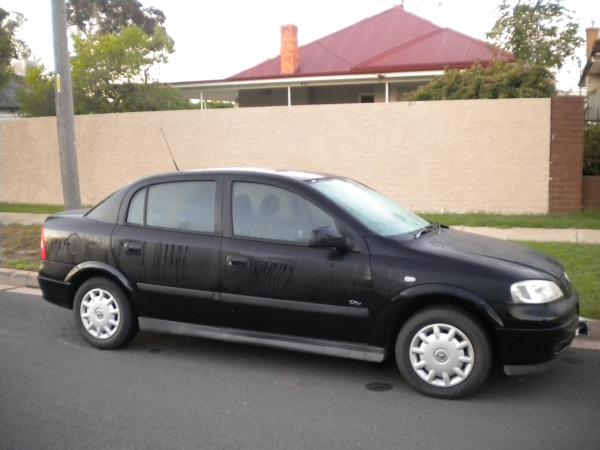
(232, 235)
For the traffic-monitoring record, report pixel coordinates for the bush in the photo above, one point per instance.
(591, 158)
(500, 80)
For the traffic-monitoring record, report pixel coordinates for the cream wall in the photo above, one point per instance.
(473, 155)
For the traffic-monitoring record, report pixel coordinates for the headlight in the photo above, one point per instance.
(535, 291)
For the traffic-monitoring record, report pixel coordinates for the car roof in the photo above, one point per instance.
(271, 173)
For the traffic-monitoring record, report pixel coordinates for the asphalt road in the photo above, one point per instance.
(173, 392)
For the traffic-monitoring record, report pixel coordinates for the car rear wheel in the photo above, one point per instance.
(443, 352)
(103, 314)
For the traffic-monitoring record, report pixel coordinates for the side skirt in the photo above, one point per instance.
(299, 344)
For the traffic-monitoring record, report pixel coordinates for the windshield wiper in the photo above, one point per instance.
(427, 229)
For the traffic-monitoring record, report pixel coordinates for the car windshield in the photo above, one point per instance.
(375, 211)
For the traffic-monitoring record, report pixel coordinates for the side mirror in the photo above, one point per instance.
(326, 237)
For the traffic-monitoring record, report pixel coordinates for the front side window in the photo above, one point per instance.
(375, 211)
(268, 212)
(181, 205)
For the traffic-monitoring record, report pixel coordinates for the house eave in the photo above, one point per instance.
(592, 67)
(304, 81)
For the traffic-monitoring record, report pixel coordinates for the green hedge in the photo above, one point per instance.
(591, 160)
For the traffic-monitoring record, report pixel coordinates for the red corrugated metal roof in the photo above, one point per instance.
(394, 40)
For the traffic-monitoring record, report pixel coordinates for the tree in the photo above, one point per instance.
(541, 34)
(92, 17)
(538, 32)
(111, 73)
(37, 99)
(10, 47)
(501, 80)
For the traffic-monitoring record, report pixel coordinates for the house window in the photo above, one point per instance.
(366, 98)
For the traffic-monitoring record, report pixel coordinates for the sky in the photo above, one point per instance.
(216, 39)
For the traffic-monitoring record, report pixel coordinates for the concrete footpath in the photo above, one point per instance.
(515, 234)
(573, 235)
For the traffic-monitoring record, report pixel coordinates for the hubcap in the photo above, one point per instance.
(442, 355)
(100, 313)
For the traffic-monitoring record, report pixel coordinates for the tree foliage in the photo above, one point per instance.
(10, 46)
(538, 32)
(126, 56)
(501, 80)
(541, 34)
(37, 99)
(92, 17)
(116, 44)
(111, 73)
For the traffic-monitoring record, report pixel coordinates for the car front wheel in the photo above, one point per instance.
(103, 314)
(443, 352)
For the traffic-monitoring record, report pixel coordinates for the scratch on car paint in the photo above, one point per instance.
(271, 276)
(169, 263)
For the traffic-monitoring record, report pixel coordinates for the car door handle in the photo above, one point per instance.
(238, 261)
(133, 247)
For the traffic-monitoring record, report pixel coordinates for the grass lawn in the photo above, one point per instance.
(19, 249)
(20, 246)
(586, 219)
(30, 208)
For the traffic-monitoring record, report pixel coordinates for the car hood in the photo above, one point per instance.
(496, 249)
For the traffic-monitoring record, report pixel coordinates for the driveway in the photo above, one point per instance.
(176, 392)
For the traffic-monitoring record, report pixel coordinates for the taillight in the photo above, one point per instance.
(43, 244)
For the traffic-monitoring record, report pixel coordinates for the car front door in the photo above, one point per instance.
(168, 243)
(273, 281)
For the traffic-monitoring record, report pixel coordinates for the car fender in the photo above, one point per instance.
(86, 266)
(407, 301)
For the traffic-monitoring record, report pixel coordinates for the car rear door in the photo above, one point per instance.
(168, 243)
(274, 282)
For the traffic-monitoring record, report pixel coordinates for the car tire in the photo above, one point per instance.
(104, 314)
(443, 352)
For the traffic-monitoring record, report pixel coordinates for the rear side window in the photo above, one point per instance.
(108, 209)
(181, 205)
(135, 213)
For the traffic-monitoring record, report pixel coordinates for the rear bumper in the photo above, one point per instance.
(55, 291)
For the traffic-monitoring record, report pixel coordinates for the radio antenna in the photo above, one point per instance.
(169, 147)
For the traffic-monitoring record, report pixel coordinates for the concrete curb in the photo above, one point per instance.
(23, 278)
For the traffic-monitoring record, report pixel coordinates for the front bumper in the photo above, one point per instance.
(583, 329)
(534, 335)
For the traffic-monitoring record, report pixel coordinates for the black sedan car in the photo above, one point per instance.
(306, 262)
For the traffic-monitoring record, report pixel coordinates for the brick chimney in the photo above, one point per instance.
(591, 35)
(290, 57)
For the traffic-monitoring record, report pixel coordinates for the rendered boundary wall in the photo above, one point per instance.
(458, 156)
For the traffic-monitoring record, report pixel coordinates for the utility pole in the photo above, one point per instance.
(63, 99)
